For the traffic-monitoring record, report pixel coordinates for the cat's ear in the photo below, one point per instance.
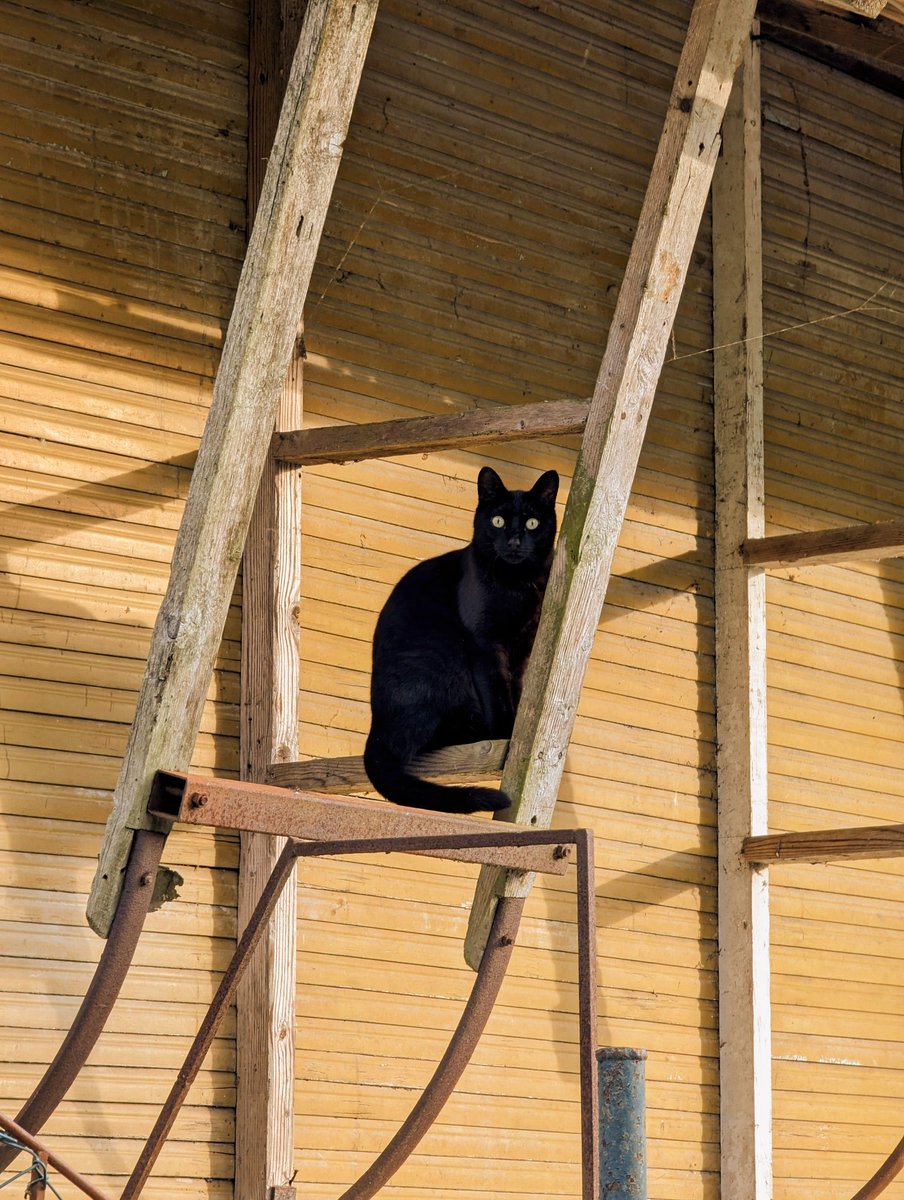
(546, 488)
(490, 487)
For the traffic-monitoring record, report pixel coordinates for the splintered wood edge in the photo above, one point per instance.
(473, 762)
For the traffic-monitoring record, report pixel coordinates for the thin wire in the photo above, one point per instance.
(37, 1164)
(762, 337)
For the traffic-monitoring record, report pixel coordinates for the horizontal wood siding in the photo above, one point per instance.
(122, 170)
(481, 223)
(486, 202)
(834, 425)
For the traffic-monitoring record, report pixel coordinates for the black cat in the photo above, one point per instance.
(452, 642)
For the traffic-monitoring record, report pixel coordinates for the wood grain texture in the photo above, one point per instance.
(744, 967)
(826, 845)
(342, 776)
(383, 439)
(250, 378)
(853, 543)
(271, 601)
(613, 436)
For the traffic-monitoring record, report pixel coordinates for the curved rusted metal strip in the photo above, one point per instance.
(886, 1174)
(490, 975)
(109, 974)
(53, 1160)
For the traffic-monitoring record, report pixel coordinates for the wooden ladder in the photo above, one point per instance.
(240, 459)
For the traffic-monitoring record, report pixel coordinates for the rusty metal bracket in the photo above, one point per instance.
(426, 833)
(310, 816)
(174, 794)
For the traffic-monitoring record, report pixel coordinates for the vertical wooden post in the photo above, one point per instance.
(744, 1002)
(616, 423)
(271, 598)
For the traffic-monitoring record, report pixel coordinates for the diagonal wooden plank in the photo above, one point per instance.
(268, 306)
(616, 423)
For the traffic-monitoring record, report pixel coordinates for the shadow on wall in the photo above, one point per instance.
(891, 583)
(83, 662)
(68, 688)
(666, 1002)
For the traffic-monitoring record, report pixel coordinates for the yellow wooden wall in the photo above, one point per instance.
(479, 230)
(834, 425)
(122, 176)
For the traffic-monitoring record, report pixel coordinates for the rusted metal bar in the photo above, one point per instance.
(263, 808)
(487, 983)
(53, 1160)
(887, 1173)
(225, 994)
(587, 1014)
(477, 1010)
(137, 892)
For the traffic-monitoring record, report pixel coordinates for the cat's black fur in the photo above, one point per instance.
(452, 642)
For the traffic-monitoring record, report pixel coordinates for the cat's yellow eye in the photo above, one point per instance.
(531, 523)
(498, 522)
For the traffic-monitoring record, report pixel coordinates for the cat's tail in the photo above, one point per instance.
(391, 778)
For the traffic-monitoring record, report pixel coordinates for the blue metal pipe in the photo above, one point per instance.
(623, 1137)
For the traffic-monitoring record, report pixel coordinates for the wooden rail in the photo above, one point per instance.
(884, 539)
(341, 776)
(417, 435)
(826, 845)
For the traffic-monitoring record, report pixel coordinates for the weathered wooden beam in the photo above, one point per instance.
(852, 543)
(857, 41)
(745, 1059)
(616, 423)
(417, 435)
(341, 776)
(271, 597)
(273, 284)
(826, 845)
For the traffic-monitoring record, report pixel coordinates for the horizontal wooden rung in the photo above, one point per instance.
(885, 539)
(472, 763)
(416, 435)
(826, 845)
(310, 816)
